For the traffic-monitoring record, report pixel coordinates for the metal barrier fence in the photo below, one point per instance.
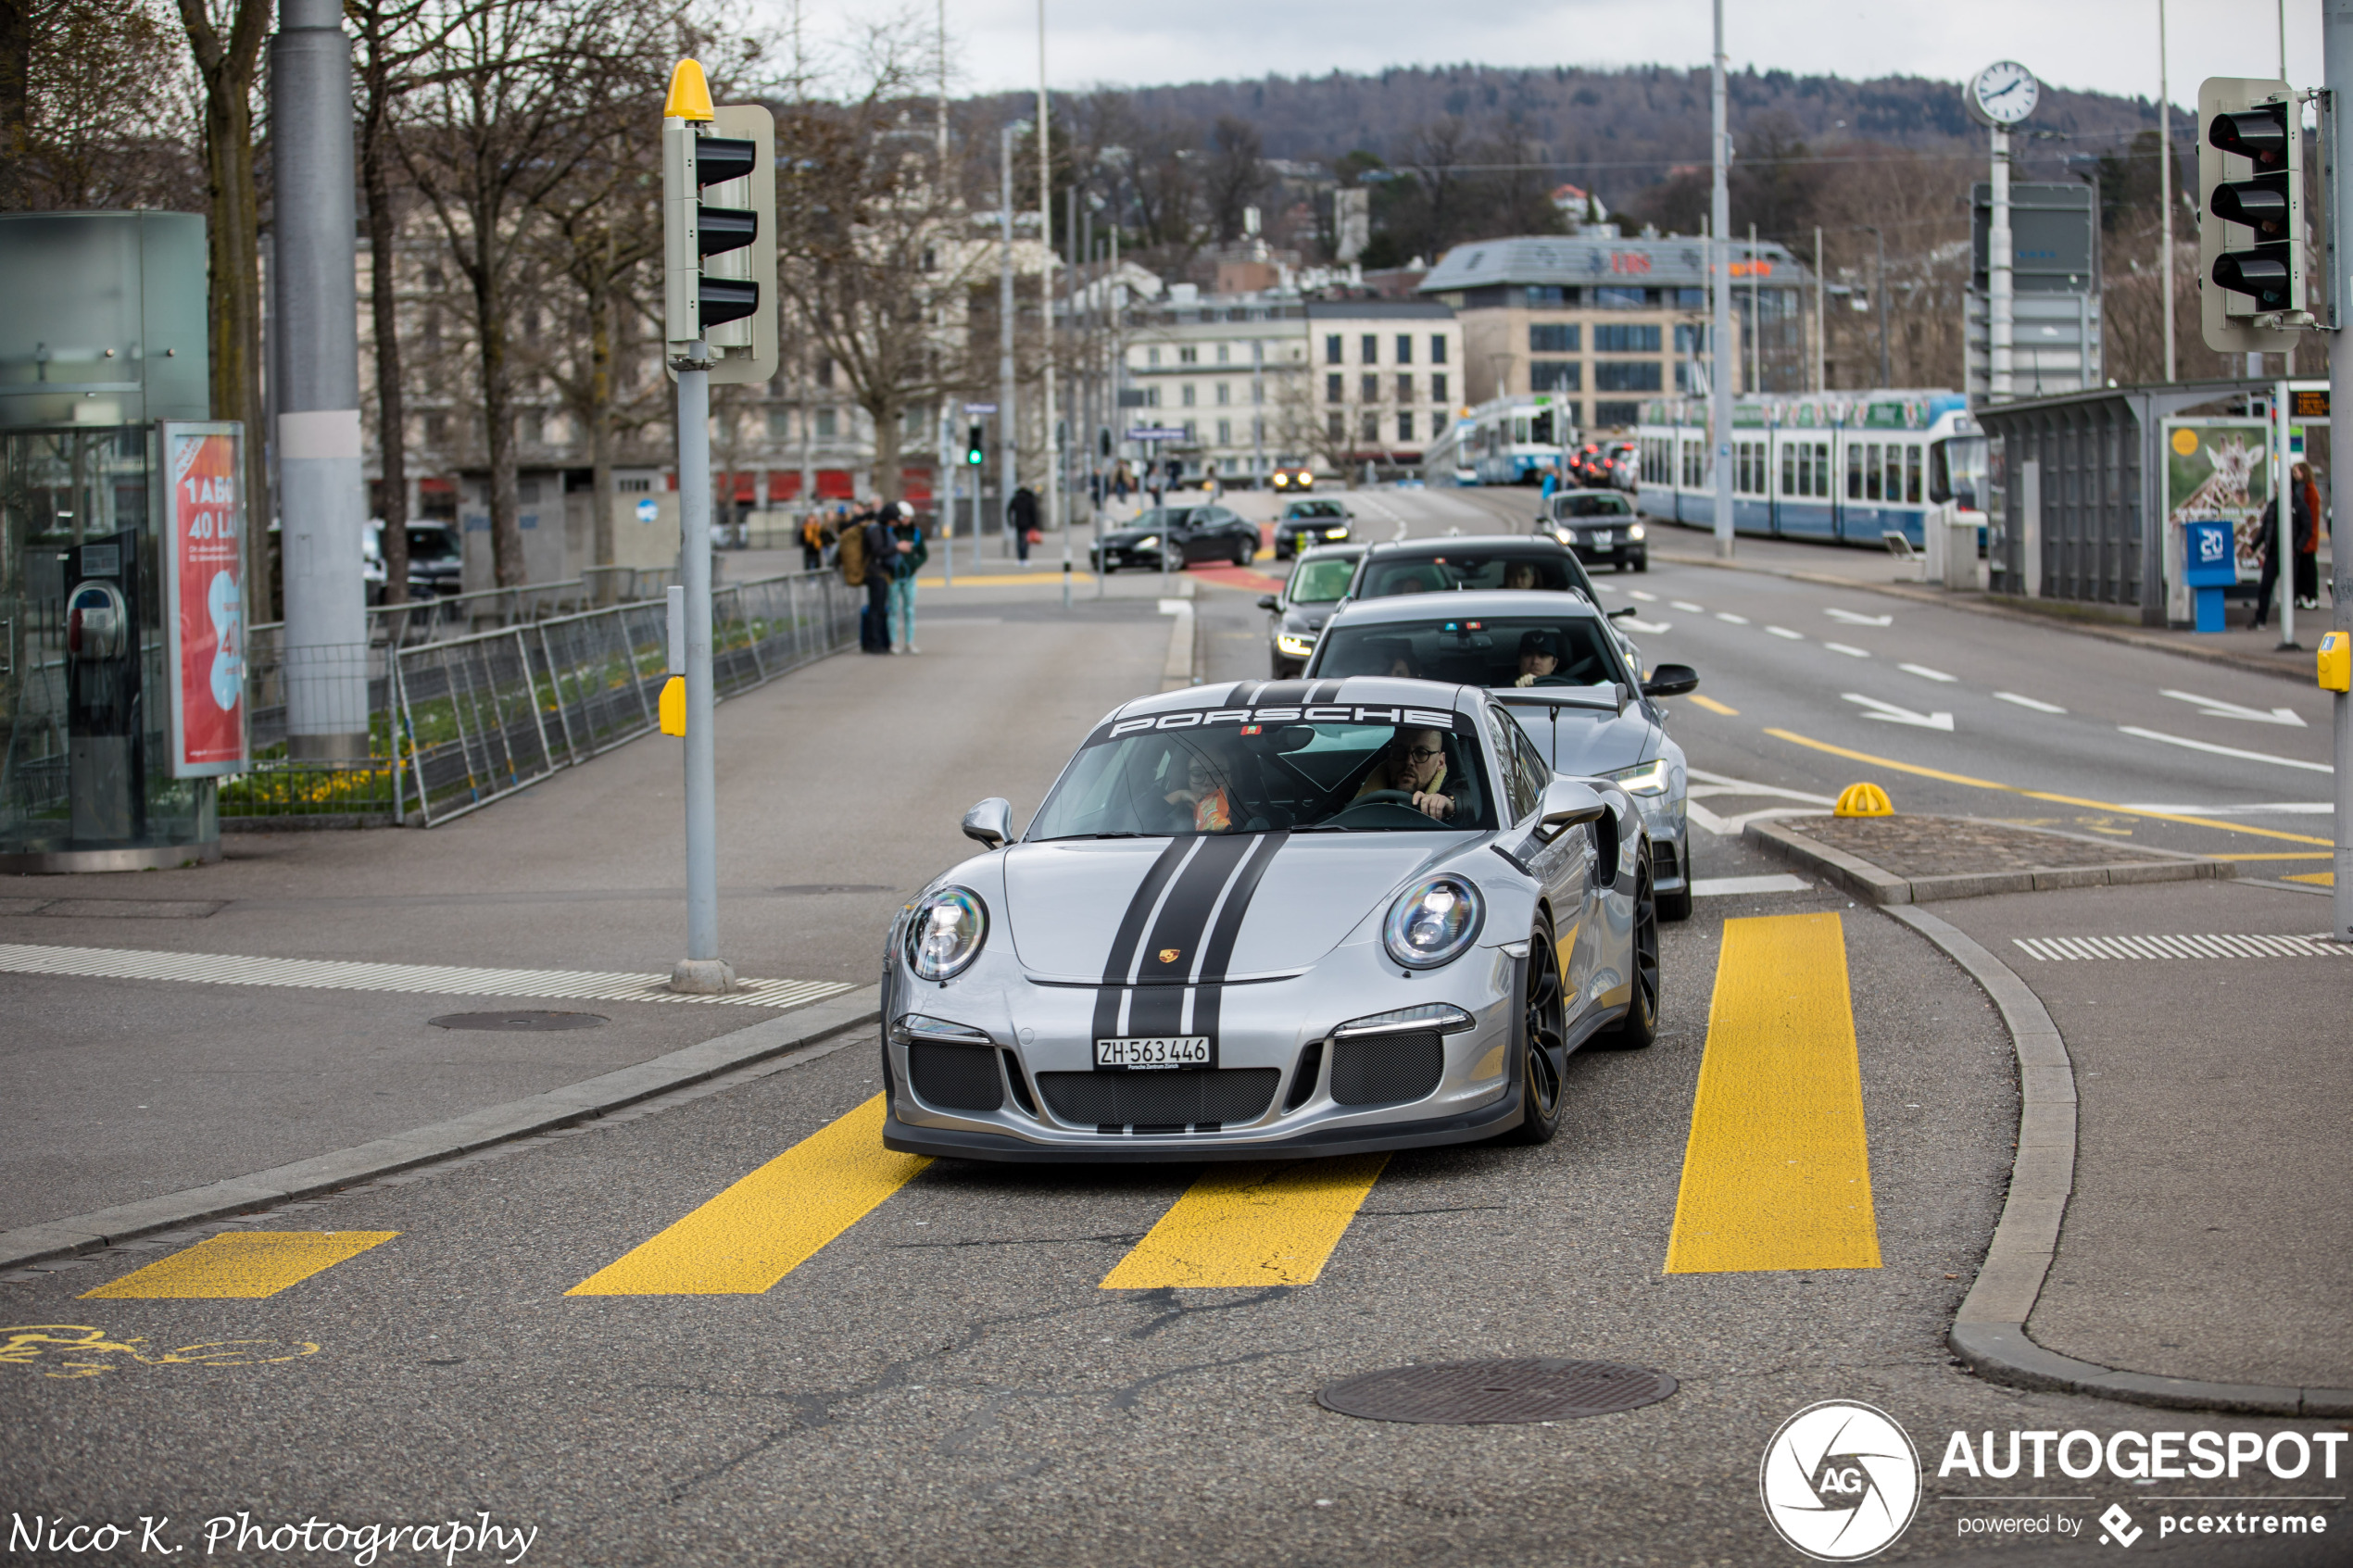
(484, 716)
(457, 722)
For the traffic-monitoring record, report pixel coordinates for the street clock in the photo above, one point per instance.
(2003, 94)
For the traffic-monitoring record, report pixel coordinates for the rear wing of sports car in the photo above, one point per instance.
(1611, 698)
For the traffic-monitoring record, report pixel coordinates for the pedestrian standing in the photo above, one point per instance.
(874, 530)
(2304, 515)
(1552, 481)
(2267, 552)
(812, 541)
(1020, 516)
(907, 557)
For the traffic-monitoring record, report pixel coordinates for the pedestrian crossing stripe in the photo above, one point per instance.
(1251, 1225)
(240, 1265)
(765, 1226)
(1777, 1172)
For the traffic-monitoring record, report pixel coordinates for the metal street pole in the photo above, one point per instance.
(1008, 423)
(1070, 315)
(701, 970)
(322, 495)
(2336, 48)
(2165, 189)
(945, 494)
(2283, 503)
(1879, 297)
(1050, 433)
(1756, 319)
(2000, 258)
(1115, 296)
(1719, 251)
(1821, 322)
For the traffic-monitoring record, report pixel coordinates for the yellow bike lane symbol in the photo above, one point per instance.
(74, 1348)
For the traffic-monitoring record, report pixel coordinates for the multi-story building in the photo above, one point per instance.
(1603, 322)
(1271, 379)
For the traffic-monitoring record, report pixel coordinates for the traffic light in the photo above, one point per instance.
(719, 229)
(976, 447)
(2252, 290)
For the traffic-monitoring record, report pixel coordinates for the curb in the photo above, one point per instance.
(1874, 885)
(422, 1145)
(1982, 606)
(1990, 1331)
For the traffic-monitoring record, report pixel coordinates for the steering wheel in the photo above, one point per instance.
(1385, 798)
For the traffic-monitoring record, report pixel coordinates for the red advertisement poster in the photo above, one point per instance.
(205, 568)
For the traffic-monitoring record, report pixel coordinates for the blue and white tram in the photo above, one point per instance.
(1515, 440)
(1841, 468)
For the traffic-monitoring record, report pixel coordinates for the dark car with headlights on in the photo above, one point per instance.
(1317, 583)
(1180, 535)
(1265, 919)
(1601, 526)
(1308, 524)
(1555, 662)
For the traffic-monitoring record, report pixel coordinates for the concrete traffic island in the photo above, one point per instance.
(1911, 860)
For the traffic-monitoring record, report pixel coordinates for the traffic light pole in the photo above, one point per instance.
(1720, 273)
(701, 970)
(2337, 21)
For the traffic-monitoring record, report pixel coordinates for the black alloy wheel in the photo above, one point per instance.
(1639, 1028)
(1544, 1037)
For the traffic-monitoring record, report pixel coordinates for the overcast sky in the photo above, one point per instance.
(2107, 45)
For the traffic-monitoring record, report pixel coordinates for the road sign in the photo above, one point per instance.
(980, 407)
(1156, 432)
(647, 511)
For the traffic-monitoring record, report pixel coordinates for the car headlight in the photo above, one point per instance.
(1635, 532)
(946, 933)
(1433, 922)
(1647, 778)
(1150, 543)
(1281, 480)
(1442, 1016)
(1335, 533)
(1294, 644)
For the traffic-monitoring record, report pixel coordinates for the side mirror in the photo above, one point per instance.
(1566, 804)
(1671, 680)
(1268, 603)
(990, 823)
(1622, 614)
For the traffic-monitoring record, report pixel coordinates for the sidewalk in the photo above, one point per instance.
(1878, 572)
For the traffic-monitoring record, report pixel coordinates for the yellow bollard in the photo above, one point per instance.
(1863, 800)
(673, 706)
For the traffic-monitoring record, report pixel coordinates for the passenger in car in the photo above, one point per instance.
(1204, 794)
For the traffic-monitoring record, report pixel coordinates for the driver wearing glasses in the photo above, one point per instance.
(1415, 765)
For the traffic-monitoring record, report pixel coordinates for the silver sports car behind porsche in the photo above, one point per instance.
(1288, 918)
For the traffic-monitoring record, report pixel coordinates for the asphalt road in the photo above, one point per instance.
(947, 1380)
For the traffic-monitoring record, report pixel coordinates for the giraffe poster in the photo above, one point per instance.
(2219, 469)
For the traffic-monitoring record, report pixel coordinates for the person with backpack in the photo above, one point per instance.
(874, 550)
(905, 558)
(1020, 516)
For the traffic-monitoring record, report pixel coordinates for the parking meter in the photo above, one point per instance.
(2209, 564)
(106, 763)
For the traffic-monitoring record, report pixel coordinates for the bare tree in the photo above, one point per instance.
(94, 106)
(1236, 175)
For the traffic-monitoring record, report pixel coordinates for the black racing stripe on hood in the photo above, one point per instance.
(1182, 928)
(1240, 697)
(1122, 958)
(1282, 693)
(1326, 691)
(1219, 953)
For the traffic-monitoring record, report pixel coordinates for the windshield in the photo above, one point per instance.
(1313, 509)
(1590, 506)
(1266, 778)
(1321, 581)
(1520, 650)
(1957, 470)
(1160, 517)
(1470, 570)
(432, 545)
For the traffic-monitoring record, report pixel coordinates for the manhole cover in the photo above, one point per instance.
(519, 1021)
(1479, 1393)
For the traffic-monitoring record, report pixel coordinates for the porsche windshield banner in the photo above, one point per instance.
(1254, 703)
(204, 581)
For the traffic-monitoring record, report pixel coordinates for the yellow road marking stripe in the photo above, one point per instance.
(772, 1222)
(2286, 854)
(1713, 705)
(1777, 1172)
(240, 1264)
(2324, 879)
(1251, 1225)
(2040, 795)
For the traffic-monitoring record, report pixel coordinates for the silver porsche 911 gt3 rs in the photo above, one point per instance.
(1295, 917)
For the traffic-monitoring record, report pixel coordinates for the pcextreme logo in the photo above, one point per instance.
(1840, 1481)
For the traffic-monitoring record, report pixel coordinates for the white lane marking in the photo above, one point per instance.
(2226, 750)
(2217, 708)
(1848, 649)
(2274, 807)
(1785, 631)
(1852, 618)
(1638, 594)
(334, 974)
(1735, 619)
(1648, 627)
(2268, 945)
(1896, 715)
(1687, 606)
(1729, 827)
(1705, 785)
(1732, 886)
(2038, 706)
(1925, 673)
